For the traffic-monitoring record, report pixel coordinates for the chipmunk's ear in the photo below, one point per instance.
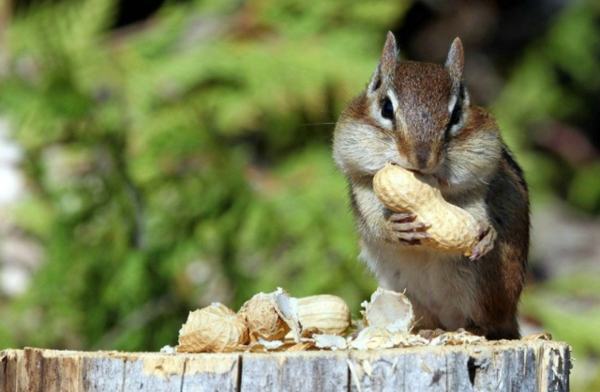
(456, 61)
(387, 63)
(389, 56)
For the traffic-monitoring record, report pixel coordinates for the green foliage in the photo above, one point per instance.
(553, 302)
(182, 163)
(569, 307)
(536, 95)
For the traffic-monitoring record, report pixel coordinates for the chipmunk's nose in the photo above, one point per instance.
(422, 159)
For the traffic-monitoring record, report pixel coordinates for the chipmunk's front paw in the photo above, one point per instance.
(487, 236)
(406, 230)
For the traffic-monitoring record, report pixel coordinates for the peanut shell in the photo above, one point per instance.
(388, 309)
(269, 316)
(214, 328)
(452, 228)
(328, 314)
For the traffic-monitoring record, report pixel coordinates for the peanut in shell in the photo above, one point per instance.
(328, 314)
(451, 228)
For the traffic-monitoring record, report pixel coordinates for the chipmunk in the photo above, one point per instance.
(419, 116)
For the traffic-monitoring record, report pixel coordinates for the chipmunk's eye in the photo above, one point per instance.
(387, 108)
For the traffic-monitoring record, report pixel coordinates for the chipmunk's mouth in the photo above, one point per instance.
(439, 175)
(443, 177)
(405, 167)
(441, 180)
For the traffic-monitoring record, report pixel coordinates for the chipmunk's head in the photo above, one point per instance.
(413, 114)
(420, 105)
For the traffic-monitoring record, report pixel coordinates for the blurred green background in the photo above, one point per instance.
(174, 154)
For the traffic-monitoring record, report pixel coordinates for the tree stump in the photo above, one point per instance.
(521, 365)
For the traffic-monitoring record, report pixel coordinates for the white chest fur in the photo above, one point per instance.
(440, 285)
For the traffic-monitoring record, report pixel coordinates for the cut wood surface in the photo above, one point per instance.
(525, 365)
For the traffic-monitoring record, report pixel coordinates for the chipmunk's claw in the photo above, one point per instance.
(486, 238)
(406, 230)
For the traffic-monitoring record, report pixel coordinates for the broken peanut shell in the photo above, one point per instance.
(214, 328)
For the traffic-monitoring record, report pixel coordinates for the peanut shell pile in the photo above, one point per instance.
(278, 322)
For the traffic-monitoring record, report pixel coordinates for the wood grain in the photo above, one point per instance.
(521, 365)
